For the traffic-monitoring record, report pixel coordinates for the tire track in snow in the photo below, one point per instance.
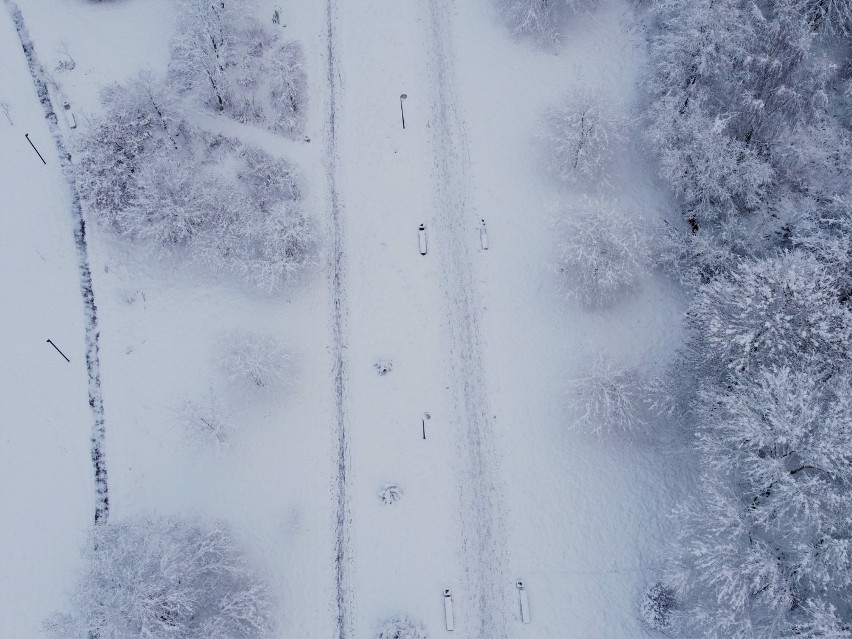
(90, 310)
(342, 552)
(487, 588)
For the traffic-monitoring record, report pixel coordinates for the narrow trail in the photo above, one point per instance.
(488, 587)
(342, 552)
(91, 312)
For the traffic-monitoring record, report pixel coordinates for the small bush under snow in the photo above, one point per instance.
(390, 494)
(402, 627)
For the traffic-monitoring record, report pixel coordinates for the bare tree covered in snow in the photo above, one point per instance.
(585, 134)
(165, 579)
(207, 421)
(607, 398)
(544, 20)
(259, 359)
(237, 66)
(604, 251)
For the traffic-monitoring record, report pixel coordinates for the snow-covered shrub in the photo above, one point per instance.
(258, 359)
(657, 604)
(160, 578)
(584, 134)
(603, 251)
(544, 20)
(402, 627)
(390, 494)
(767, 312)
(207, 421)
(607, 398)
(383, 366)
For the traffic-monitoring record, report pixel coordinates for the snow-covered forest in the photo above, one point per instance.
(510, 318)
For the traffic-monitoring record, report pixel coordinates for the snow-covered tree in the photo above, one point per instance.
(207, 48)
(764, 550)
(258, 359)
(147, 174)
(584, 134)
(607, 398)
(729, 80)
(237, 66)
(832, 16)
(544, 20)
(729, 582)
(140, 121)
(658, 603)
(604, 251)
(165, 579)
(288, 88)
(770, 312)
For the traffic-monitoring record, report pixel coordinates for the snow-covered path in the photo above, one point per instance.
(487, 585)
(418, 312)
(339, 312)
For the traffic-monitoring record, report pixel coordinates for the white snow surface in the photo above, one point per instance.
(501, 488)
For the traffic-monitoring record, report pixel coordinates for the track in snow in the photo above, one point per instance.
(342, 552)
(91, 312)
(488, 587)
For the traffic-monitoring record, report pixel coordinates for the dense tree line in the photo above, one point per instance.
(749, 116)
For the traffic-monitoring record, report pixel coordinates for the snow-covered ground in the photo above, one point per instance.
(47, 496)
(501, 488)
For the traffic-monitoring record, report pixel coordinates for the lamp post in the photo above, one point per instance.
(401, 110)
